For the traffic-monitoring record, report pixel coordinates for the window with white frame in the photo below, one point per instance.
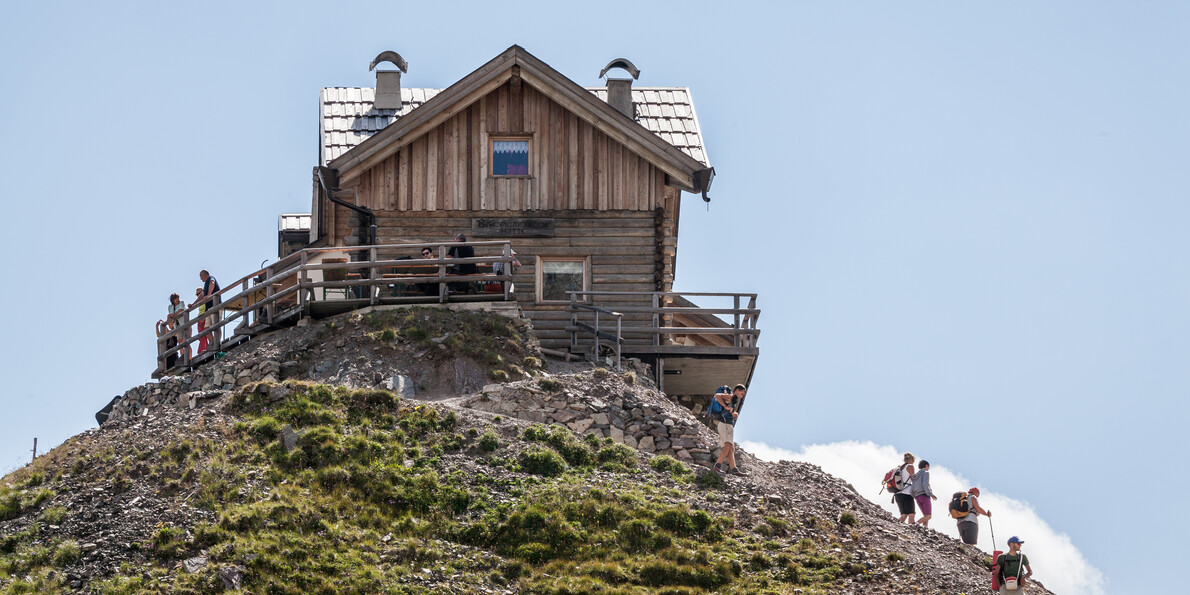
(556, 276)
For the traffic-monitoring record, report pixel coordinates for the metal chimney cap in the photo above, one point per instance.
(390, 56)
(624, 63)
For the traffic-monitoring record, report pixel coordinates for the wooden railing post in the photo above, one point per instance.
(184, 338)
(656, 319)
(619, 341)
(507, 268)
(736, 336)
(373, 289)
(595, 351)
(160, 354)
(573, 321)
(441, 274)
(304, 282)
(269, 310)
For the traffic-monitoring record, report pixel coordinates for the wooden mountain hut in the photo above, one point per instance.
(580, 186)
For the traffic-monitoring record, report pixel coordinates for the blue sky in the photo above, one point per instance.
(965, 220)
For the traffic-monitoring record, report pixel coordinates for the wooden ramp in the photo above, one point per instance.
(692, 349)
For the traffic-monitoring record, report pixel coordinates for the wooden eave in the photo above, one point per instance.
(678, 166)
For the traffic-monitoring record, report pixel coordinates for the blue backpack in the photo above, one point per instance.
(715, 410)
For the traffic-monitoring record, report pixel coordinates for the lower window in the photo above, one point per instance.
(556, 277)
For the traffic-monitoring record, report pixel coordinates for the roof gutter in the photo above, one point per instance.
(702, 182)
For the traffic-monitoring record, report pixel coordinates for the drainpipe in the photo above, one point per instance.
(367, 217)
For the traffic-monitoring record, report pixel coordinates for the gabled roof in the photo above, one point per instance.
(356, 136)
(348, 118)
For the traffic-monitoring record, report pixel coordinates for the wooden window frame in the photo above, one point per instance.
(539, 277)
(509, 136)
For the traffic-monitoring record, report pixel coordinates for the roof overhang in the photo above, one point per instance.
(682, 171)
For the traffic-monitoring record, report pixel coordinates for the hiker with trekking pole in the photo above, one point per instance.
(964, 506)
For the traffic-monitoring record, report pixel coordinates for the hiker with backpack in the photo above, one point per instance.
(965, 507)
(724, 409)
(1013, 567)
(902, 488)
(922, 492)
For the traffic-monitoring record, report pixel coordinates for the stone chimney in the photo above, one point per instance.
(619, 90)
(388, 82)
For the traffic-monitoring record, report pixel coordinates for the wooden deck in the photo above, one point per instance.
(692, 349)
(316, 283)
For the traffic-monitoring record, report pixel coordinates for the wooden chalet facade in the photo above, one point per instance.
(585, 184)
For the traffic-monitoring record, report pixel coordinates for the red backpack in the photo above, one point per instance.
(892, 480)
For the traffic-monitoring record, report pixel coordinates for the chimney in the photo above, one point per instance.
(619, 90)
(388, 82)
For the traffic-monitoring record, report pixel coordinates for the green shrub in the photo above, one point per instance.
(168, 543)
(489, 441)
(321, 446)
(550, 385)
(848, 518)
(266, 429)
(617, 457)
(668, 464)
(576, 453)
(710, 480)
(387, 335)
(759, 561)
(499, 375)
(54, 515)
(663, 573)
(542, 461)
(637, 535)
(66, 553)
(532, 362)
(535, 433)
(894, 557)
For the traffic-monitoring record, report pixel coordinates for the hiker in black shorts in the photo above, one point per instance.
(904, 498)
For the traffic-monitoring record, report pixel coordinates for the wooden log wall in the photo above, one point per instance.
(621, 245)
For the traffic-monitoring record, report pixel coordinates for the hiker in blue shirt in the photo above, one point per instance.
(728, 408)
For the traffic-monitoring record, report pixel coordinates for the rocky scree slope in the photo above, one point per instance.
(329, 482)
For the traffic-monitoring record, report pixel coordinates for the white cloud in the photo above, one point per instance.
(1055, 560)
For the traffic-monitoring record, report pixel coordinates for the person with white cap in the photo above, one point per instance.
(1014, 567)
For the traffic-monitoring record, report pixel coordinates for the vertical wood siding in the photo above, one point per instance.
(574, 166)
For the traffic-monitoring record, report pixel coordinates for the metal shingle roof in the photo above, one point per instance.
(348, 117)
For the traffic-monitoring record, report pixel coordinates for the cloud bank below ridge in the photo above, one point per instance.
(1055, 560)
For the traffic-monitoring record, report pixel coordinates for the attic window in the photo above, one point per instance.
(510, 157)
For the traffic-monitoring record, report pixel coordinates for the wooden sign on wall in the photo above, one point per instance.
(512, 227)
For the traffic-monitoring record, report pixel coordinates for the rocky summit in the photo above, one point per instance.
(432, 451)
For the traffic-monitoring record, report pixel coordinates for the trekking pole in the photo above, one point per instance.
(993, 531)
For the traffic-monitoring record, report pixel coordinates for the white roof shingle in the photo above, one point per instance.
(348, 118)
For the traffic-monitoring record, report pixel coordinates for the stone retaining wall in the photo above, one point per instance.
(636, 416)
(210, 381)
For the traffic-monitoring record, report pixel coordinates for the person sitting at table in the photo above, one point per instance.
(467, 268)
(427, 253)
